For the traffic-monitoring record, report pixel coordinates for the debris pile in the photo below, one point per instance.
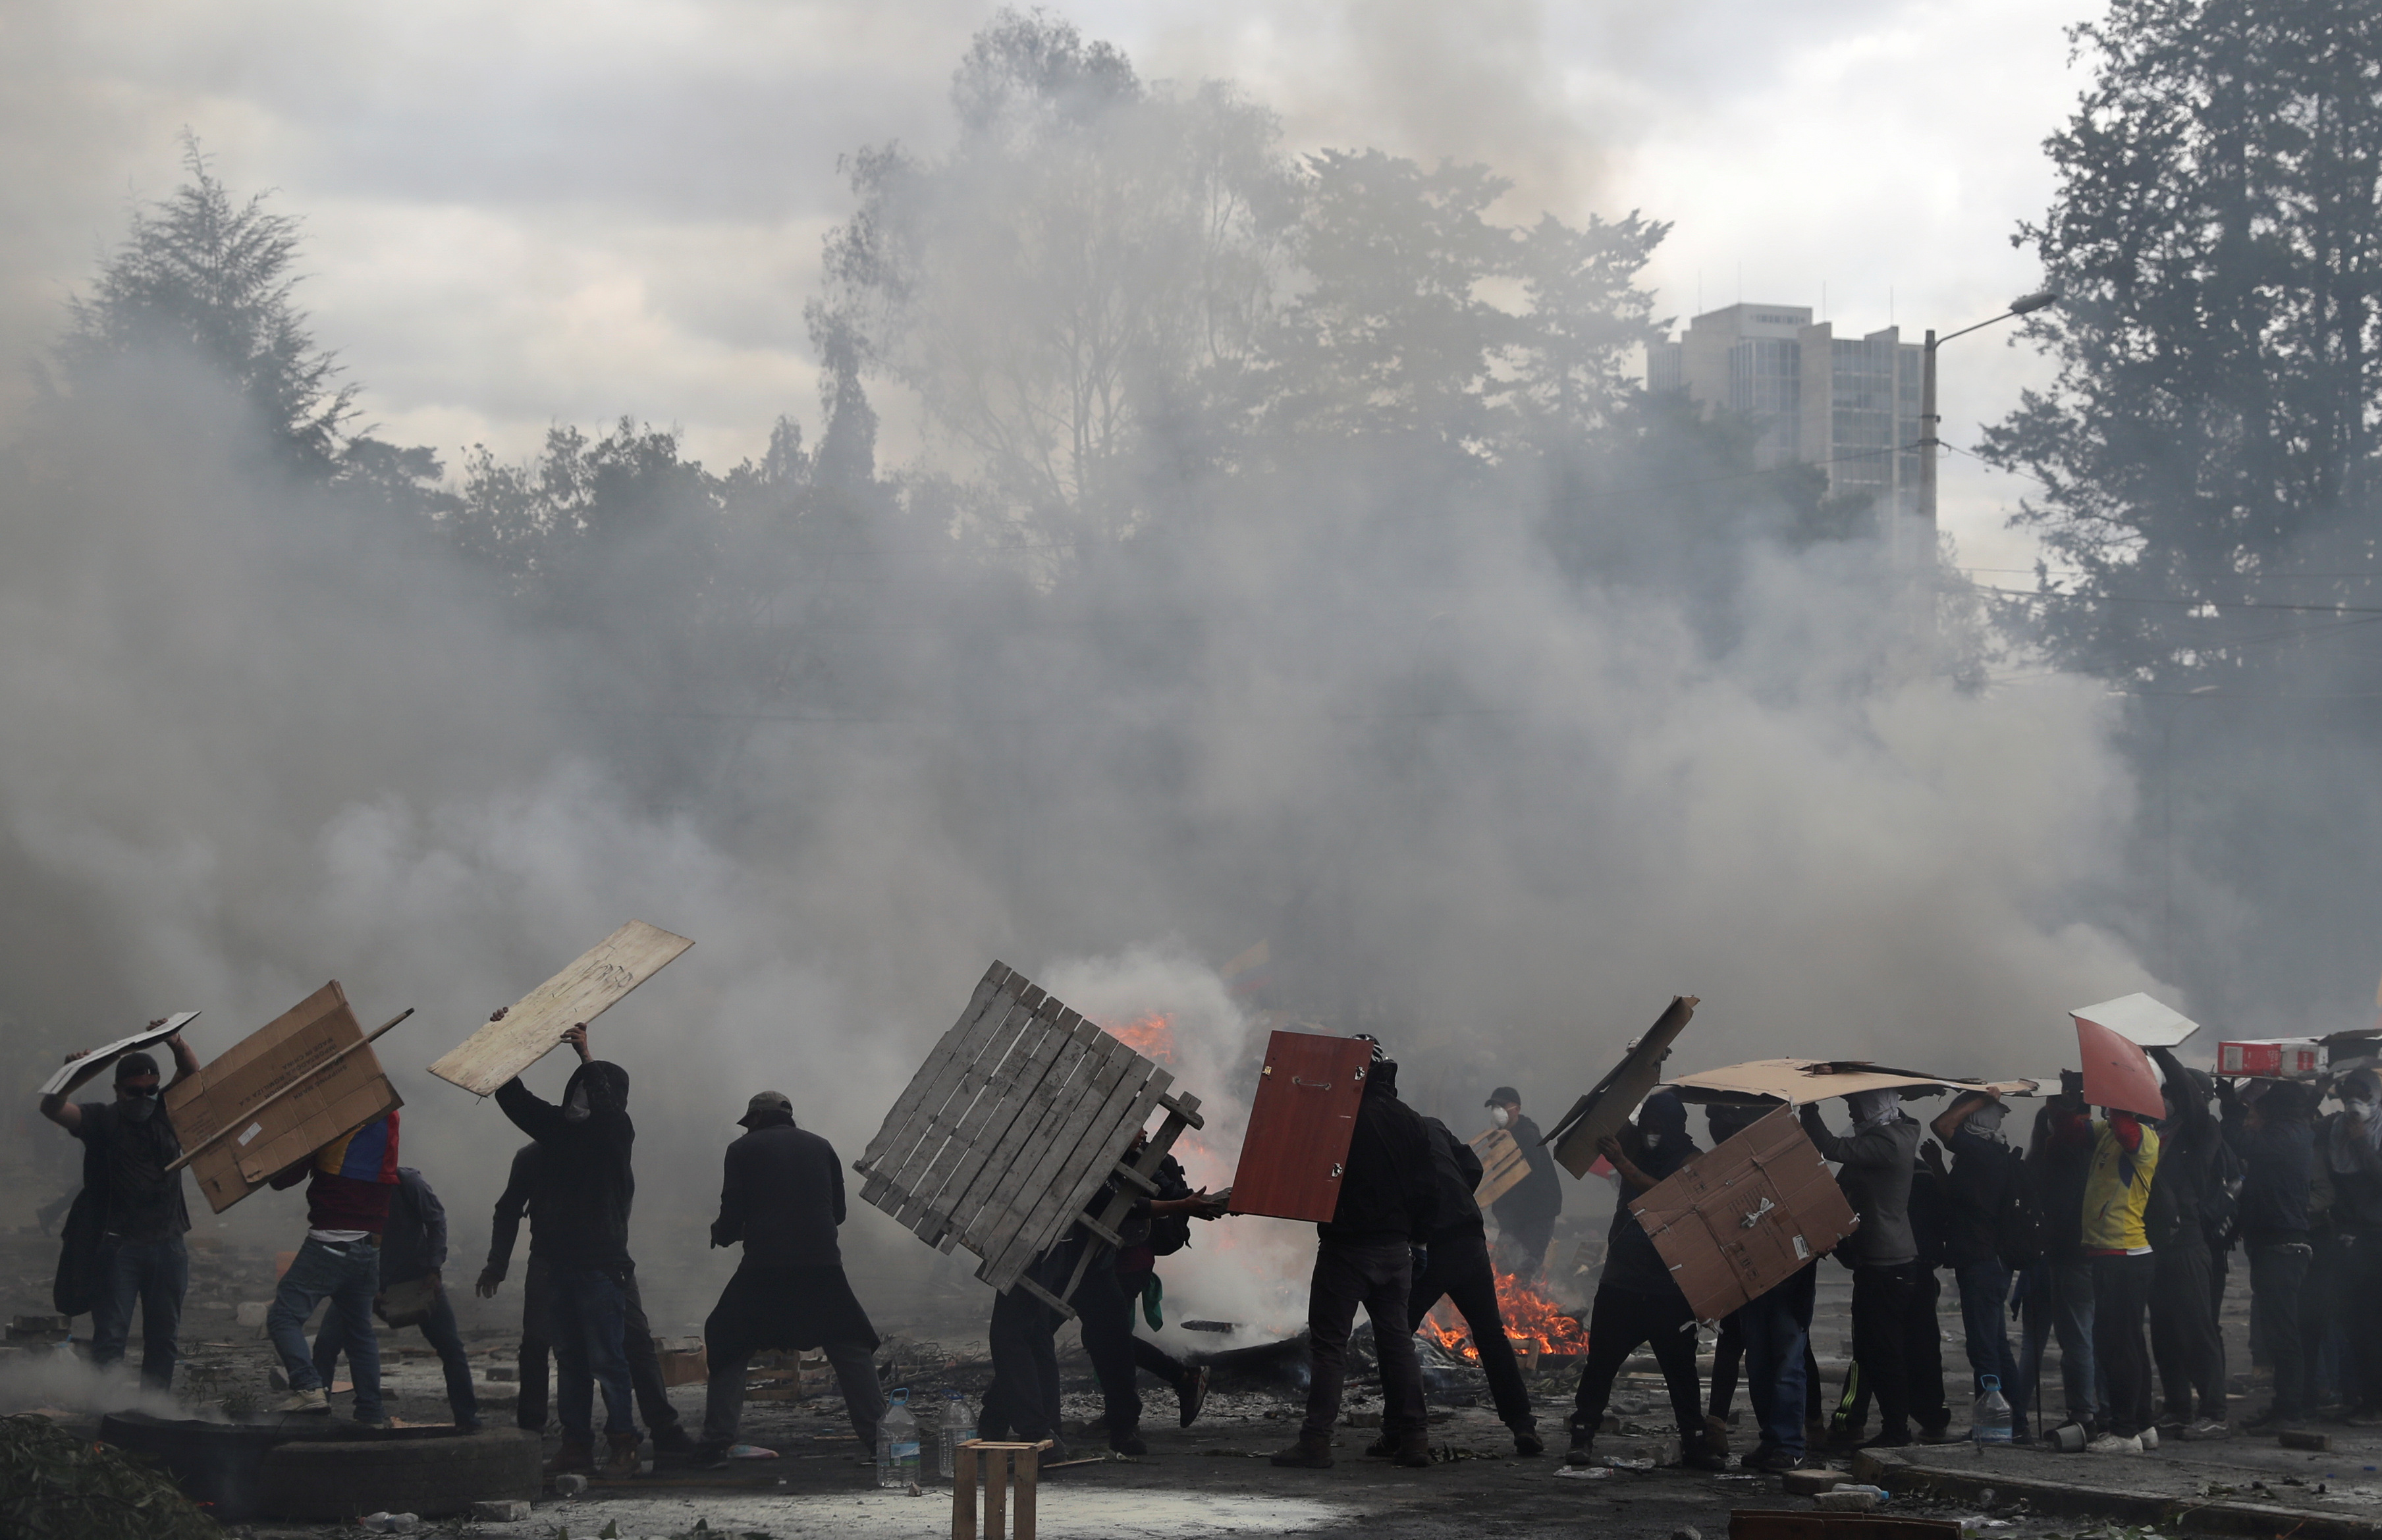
(53, 1484)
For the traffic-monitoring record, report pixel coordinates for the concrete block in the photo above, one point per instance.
(503, 1511)
(2301, 1438)
(1811, 1483)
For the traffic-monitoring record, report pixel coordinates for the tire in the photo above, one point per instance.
(446, 1474)
(215, 1463)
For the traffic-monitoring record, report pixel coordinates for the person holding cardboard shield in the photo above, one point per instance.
(1876, 1165)
(123, 1241)
(1527, 1213)
(2116, 1202)
(349, 1184)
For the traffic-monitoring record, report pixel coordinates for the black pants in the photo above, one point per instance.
(1023, 1401)
(1885, 1300)
(2361, 1286)
(2184, 1341)
(1458, 1269)
(1147, 1354)
(1378, 1275)
(2121, 1291)
(2277, 1273)
(1105, 1313)
(645, 1363)
(1617, 1323)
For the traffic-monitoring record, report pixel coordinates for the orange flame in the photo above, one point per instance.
(1151, 1037)
(1534, 1322)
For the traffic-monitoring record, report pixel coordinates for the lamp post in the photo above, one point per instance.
(1928, 418)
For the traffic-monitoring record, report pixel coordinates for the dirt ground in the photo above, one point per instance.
(1210, 1479)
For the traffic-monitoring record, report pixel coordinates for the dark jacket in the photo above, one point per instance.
(1386, 1188)
(1456, 1176)
(1538, 1197)
(2278, 1160)
(415, 1241)
(2058, 1162)
(124, 1167)
(1983, 1173)
(1874, 1169)
(1632, 1265)
(2190, 1148)
(519, 1197)
(2356, 1206)
(586, 1186)
(783, 1196)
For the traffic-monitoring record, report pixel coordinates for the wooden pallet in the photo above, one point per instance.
(1019, 1116)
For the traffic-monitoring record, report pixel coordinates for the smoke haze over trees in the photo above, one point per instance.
(1293, 558)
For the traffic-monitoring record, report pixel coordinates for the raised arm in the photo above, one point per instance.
(1949, 1121)
(60, 1107)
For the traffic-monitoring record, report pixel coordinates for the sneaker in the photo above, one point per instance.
(2149, 1437)
(316, 1400)
(2207, 1427)
(1528, 1444)
(1312, 1452)
(1414, 1451)
(1582, 1450)
(1777, 1463)
(1192, 1394)
(2109, 1443)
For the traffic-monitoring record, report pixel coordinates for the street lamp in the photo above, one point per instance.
(1927, 419)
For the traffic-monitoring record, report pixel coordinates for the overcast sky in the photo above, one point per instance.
(531, 211)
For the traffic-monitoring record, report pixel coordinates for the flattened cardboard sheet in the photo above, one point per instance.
(1736, 1222)
(2141, 1020)
(1503, 1165)
(2117, 1072)
(144, 1038)
(1816, 1079)
(1300, 1124)
(533, 1027)
(243, 1089)
(1600, 1112)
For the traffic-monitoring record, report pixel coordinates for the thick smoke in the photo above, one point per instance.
(259, 736)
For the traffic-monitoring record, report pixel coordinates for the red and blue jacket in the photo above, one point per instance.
(351, 1179)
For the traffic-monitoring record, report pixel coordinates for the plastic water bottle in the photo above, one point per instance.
(897, 1442)
(958, 1426)
(1992, 1422)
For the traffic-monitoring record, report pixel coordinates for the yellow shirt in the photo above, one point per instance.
(2118, 1191)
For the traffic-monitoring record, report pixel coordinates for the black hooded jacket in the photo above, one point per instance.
(782, 1194)
(1386, 1189)
(1456, 1176)
(585, 1183)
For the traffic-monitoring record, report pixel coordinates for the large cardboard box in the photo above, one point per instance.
(533, 1027)
(1301, 1121)
(1736, 1222)
(2297, 1058)
(1503, 1165)
(295, 1085)
(1607, 1106)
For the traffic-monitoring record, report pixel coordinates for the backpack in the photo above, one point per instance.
(2018, 1220)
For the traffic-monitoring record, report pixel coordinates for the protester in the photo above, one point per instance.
(2185, 1343)
(537, 1345)
(2056, 1293)
(585, 1190)
(1157, 1224)
(349, 1185)
(1526, 1212)
(2116, 1199)
(1771, 1338)
(2350, 1148)
(2277, 1145)
(1363, 1254)
(1638, 1301)
(124, 1233)
(1984, 1173)
(781, 1199)
(1456, 1267)
(1875, 1162)
(412, 1251)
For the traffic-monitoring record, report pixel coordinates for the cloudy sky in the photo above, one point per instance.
(535, 212)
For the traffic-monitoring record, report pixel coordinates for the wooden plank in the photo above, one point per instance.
(1031, 1197)
(1008, 1091)
(1127, 1109)
(1004, 1193)
(1300, 1122)
(963, 1492)
(1058, 1056)
(1138, 1172)
(946, 1057)
(1503, 1165)
(986, 1072)
(1601, 1112)
(533, 1027)
(1029, 1463)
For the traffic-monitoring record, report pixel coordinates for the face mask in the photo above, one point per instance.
(575, 1109)
(1500, 1117)
(142, 1107)
(2359, 1111)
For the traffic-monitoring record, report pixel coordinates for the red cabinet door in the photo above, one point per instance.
(1300, 1122)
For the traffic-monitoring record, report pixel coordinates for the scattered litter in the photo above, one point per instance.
(569, 1486)
(1585, 1472)
(1849, 1499)
(1618, 1462)
(391, 1523)
(750, 1451)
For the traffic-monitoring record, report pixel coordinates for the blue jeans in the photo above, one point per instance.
(1774, 1328)
(155, 1273)
(438, 1326)
(588, 1314)
(2056, 1298)
(1985, 1292)
(349, 1276)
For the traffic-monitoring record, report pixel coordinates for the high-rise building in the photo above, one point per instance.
(1849, 406)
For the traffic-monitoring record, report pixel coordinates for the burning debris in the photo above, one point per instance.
(1537, 1327)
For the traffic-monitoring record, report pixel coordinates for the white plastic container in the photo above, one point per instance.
(897, 1442)
(958, 1426)
(1991, 1424)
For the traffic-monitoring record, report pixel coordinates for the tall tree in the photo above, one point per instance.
(2210, 442)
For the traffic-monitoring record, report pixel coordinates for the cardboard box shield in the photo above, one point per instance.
(1503, 1165)
(1737, 1222)
(533, 1027)
(2117, 1072)
(1300, 1123)
(280, 1093)
(1600, 1112)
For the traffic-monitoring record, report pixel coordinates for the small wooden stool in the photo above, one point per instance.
(1026, 1459)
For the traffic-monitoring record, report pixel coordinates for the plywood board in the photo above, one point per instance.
(1301, 1121)
(2140, 1020)
(1816, 1079)
(2117, 1072)
(1734, 1223)
(1607, 1106)
(533, 1027)
(284, 1091)
(1503, 1165)
(145, 1038)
